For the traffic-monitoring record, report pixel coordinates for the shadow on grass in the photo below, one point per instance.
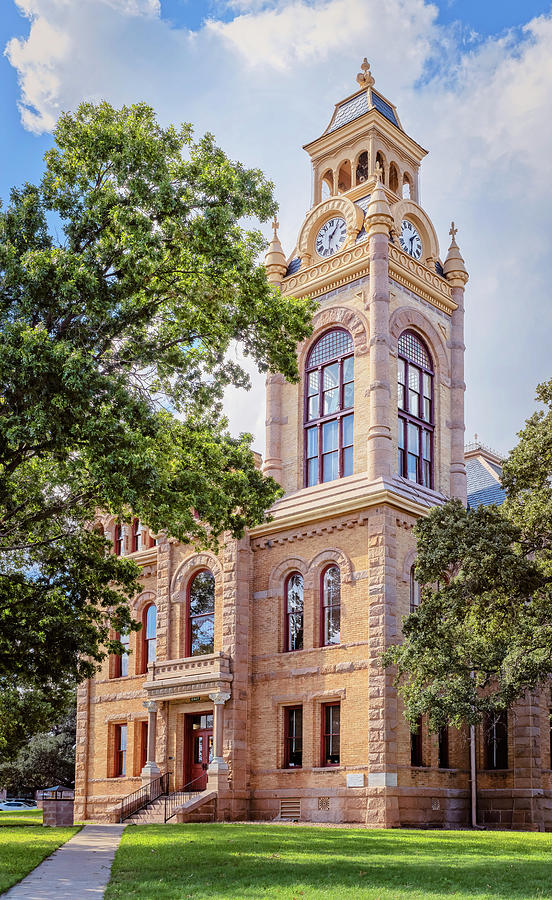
(245, 862)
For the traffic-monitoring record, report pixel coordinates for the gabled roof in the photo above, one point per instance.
(484, 473)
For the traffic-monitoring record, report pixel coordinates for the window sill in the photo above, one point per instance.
(337, 768)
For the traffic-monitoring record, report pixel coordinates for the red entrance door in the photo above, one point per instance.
(200, 751)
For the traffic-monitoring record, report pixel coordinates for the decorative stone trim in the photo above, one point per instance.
(277, 577)
(406, 317)
(351, 319)
(337, 556)
(420, 279)
(186, 569)
(409, 561)
(305, 533)
(142, 600)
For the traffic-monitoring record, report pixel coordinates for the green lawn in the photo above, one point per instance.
(23, 845)
(249, 862)
(25, 817)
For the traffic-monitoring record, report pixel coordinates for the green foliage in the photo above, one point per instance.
(113, 362)
(46, 759)
(482, 635)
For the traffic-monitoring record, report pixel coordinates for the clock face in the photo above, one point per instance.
(410, 240)
(331, 236)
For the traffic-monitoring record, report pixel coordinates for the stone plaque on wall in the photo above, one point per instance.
(355, 779)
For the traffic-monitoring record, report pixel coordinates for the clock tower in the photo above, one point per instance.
(369, 440)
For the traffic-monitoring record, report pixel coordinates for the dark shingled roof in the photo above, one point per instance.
(483, 488)
(355, 107)
(294, 266)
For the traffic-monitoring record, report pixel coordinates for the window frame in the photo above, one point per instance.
(494, 745)
(413, 585)
(119, 752)
(188, 637)
(405, 416)
(323, 607)
(443, 748)
(417, 747)
(325, 734)
(288, 738)
(118, 539)
(118, 660)
(145, 640)
(135, 535)
(338, 415)
(288, 614)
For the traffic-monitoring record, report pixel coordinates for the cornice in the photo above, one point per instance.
(313, 506)
(333, 140)
(345, 266)
(418, 278)
(144, 557)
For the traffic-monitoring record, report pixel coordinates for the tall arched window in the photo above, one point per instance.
(136, 540)
(415, 595)
(329, 379)
(294, 601)
(331, 606)
(119, 541)
(415, 403)
(200, 636)
(149, 630)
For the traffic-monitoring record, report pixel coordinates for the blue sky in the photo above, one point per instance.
(471, 81)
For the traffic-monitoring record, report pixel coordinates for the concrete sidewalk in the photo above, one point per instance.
(78, 870)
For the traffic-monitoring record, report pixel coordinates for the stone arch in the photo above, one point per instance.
(332, 555)
(342, 317)
(277, 577)
(333, 206)
(407, 190)
(409, 561)
(410, 210)
(142, 600)
(327, 179)
(188, 568)
(393, 178)
(360, 167)
(408, 317)
(344, 176)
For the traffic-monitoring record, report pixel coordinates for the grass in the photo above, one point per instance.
(25, 817)
(255, 862)
(23, 845)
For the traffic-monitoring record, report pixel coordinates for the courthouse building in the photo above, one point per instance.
(256, 679)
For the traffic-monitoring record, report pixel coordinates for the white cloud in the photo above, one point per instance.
(266, 82)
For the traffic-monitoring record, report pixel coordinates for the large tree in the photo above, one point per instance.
(126, 277)
(482, 635)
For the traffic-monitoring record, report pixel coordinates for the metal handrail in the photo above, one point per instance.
(177, 798)
(145, 795)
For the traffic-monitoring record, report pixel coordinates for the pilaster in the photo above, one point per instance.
(380, 445)
(235, 642)
(382, 800)
(456, 275)
(273, 462)
(82, 749)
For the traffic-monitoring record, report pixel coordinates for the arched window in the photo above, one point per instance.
(119, 542)
(381, 161)
(149, 631)
(294, 600)
(329, 400)
(415, 595)
(415, 403)
(136, 539)
(201, 614)
(393, 178)
(331, 606)
(362, 168)
(327, 184)
(407, 187)
(344, 177)
(120, 663)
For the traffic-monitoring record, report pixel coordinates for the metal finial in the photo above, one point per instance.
(275, 225)
(378, 171)
(453, 231)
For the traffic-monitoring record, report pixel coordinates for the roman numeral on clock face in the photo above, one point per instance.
(331, 236)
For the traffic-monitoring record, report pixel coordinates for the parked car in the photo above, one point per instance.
(13, 806)
(31, 804)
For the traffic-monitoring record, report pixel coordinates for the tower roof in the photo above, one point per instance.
(359, 104)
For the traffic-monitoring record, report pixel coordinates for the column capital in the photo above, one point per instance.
(219, 697)
(150, 705)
